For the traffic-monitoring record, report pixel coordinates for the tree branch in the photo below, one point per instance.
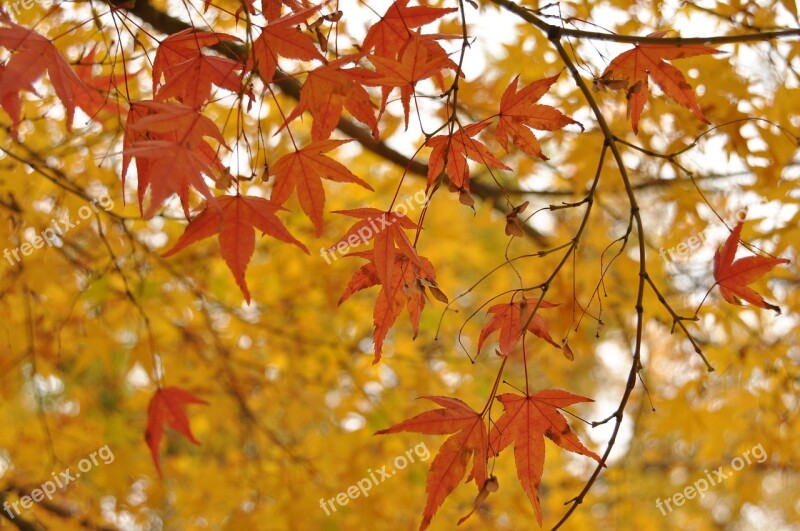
(144, 10)
(550, 29)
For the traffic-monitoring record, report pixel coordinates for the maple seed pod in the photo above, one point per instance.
(439, 295)
(635, 89)
(465, 198)
(513, 227)
(225, 180)
(322, 40)
(491, 484)
(418, 288)
(406, 290)
(333, 17)
(521, 207)
(606, 83)
(567, 350)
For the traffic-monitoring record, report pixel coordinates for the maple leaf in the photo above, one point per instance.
(304, 170)
(271, 9)
(171, 121)
(188, 73)
(526, 421)
(97, 98)
(10, 100)
(469, 440)
(406, 288)
(173, 168)
(328, 90)
(510, 318)
(389, 35)
(386, 229)
(519, 111)
(235, 219)
(630, 71)
(282, 38)
(168, 406)
(417, 62)
(456, 149)
(152, 131)
(733, 277)
(33, 55)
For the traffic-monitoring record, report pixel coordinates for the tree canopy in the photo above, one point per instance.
(242, 238)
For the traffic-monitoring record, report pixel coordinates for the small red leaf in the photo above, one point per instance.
(733, 277)
(168, 406)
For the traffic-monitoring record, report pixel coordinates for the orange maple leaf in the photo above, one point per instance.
(282, 38)
(448, 468)
(417, 62)
(304, 170)
(519, 111)
(510, 318)
(389, 35)
(526, 421)
(386, 229)
(630, 71)
(456, 149)
(235, 219)
(733, 277)
(168, 406)
(328, 90)
(33, 55)
(189, 73)
(406, 287)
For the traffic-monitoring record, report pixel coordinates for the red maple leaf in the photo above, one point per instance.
(172, 169)
(98, 98)
(630, 71)
(189, 73)
(271, 9)
(389, 35)
(328, 90)
(282, 38)
(235, 219)
(733, 277)
(34, 55)
(303, 170)
(456, 149)
(527, 420)
(519, 111)
(406, 288)
(510, 319)
(469, 440)
(168, 142)
(168, 406)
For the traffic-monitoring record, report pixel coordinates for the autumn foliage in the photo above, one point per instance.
(275, 126)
